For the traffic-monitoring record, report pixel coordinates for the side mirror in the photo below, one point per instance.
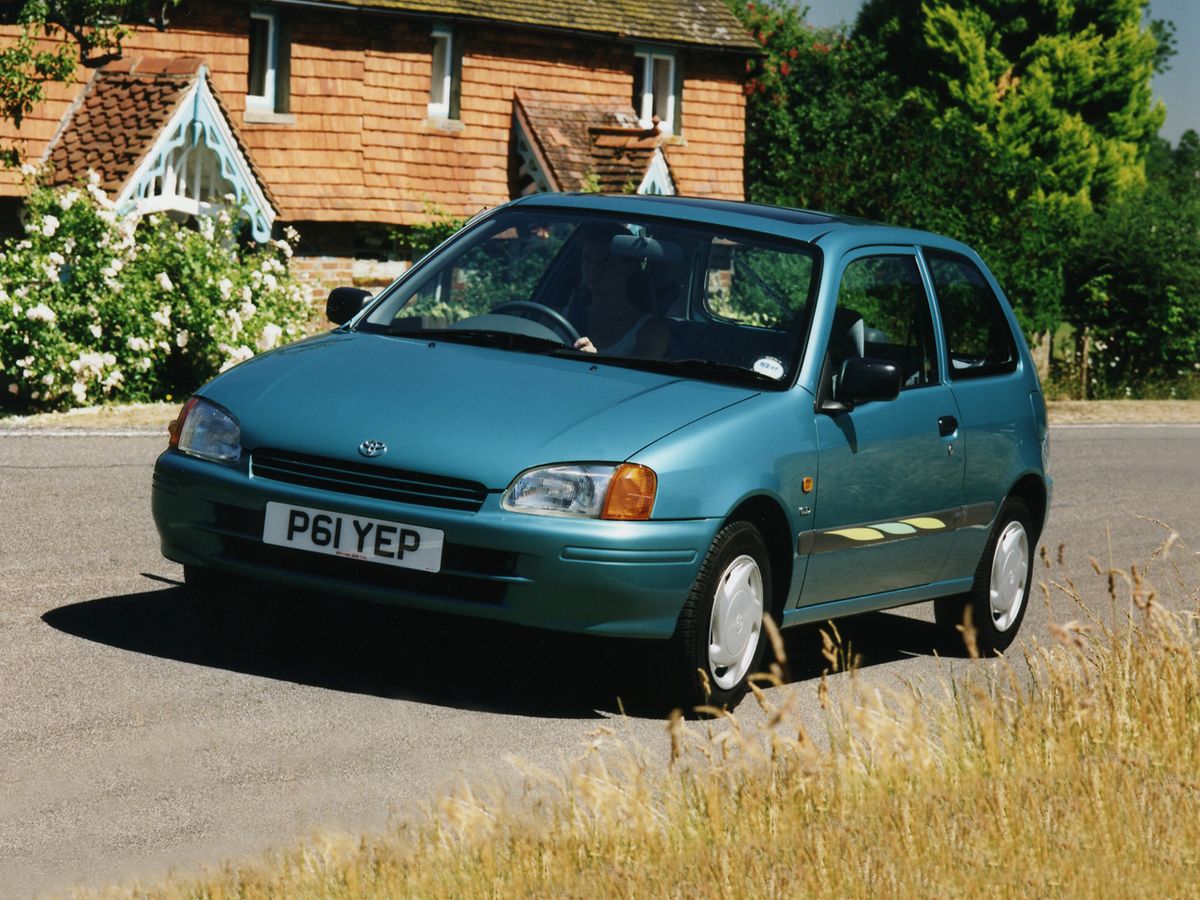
(863, 379)
(345, 303)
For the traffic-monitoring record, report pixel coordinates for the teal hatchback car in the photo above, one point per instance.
(645, 417)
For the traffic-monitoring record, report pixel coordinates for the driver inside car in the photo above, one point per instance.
(618, 315)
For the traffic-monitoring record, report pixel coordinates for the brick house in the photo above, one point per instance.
(350, 119)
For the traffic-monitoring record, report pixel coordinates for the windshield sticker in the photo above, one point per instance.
(769, 366)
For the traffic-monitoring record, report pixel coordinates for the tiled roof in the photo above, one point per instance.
(580, 138)
(117, 118)
(708, 23)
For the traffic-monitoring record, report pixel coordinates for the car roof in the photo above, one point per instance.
(827, 229)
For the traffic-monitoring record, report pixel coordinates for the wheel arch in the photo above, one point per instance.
(769, 518)
(1031, 488)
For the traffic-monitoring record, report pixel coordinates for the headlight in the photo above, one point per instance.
(624, 491)
(204, 429)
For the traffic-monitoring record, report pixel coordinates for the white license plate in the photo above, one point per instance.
(353, 537)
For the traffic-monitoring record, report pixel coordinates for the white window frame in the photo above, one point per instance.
(266, 100)
(442, 110)
(646, 110)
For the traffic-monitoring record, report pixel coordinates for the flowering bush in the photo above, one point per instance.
(96, 307)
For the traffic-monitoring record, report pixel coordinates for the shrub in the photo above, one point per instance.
(97, 307)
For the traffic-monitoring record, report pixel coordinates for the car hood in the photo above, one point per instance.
(461, 411)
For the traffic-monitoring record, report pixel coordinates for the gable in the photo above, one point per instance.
(158, 137)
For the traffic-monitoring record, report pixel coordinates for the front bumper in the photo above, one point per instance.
(628, 579)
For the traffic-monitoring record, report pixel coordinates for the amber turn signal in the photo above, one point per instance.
(176, 426)
(630, 493)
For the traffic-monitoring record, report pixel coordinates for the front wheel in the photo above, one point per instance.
(1000, 594)
(718, 641)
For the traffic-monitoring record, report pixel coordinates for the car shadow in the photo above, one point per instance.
(432, 658)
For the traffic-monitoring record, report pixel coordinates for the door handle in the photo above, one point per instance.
(947, 425)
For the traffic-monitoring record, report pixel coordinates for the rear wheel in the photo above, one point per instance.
(1000, 594)
(719, 642)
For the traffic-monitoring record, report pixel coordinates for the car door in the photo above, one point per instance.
(890, 479)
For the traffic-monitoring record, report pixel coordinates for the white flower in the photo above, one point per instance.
(235, 323)
(49, 226)
(52, 273)
(225, 286)
(247, 294)
(28, 170)
(57, 258)
(68, 198)
(26, 362)
(40, 313)
(206, 227)
(181, 339)
(285, 247)
(96, 330)
(164, 281)
(138, 345)
(93, 177)
(291, 234)
(79, 389)
(144, 363)
(162, 316)
(269, 282)
(236, 355)
(248, 310)
(114, 379)
(48, 379)
(270, 336)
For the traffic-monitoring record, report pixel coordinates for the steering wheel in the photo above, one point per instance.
(555, 319)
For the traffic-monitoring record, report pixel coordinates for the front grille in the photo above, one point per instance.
(366, 480)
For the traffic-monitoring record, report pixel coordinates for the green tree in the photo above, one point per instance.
(96, 29)
(1062, 83)
(1133, 280)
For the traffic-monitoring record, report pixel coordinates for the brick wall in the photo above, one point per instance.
(360, 148)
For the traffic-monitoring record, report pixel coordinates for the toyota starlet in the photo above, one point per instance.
(647, 417)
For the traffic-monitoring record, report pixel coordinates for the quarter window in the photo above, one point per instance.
(654, 92)
(883, 313)
(978, 339)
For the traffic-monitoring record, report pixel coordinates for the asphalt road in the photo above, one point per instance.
(129, 745)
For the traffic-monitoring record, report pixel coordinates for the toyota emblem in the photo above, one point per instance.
(372, 448)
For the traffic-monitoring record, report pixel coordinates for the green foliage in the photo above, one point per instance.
(93, 307)
(97, 28)
(1134, 278)
(421, 238)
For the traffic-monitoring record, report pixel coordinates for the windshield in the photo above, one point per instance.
(651, 293)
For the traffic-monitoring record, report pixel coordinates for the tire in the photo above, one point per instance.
(720, 630)
(1000, 594)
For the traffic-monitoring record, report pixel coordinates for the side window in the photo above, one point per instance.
(883, 312)
(978, 339)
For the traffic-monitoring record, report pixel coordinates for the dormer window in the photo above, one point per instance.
(441, 87)
(654, 91)
(268, 75)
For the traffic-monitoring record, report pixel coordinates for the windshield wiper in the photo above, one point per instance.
(692, 367)
(484, 337)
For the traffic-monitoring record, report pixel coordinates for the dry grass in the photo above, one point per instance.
(130, 416)
(1067, 770)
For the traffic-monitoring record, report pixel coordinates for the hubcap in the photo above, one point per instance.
(1010, 571)
(736, 621)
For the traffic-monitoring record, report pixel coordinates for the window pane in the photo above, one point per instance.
(441, 60)
(883, 313)
(260, 46)
(755, 285)
(663, 88)
(639, 82)
(978, 339)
